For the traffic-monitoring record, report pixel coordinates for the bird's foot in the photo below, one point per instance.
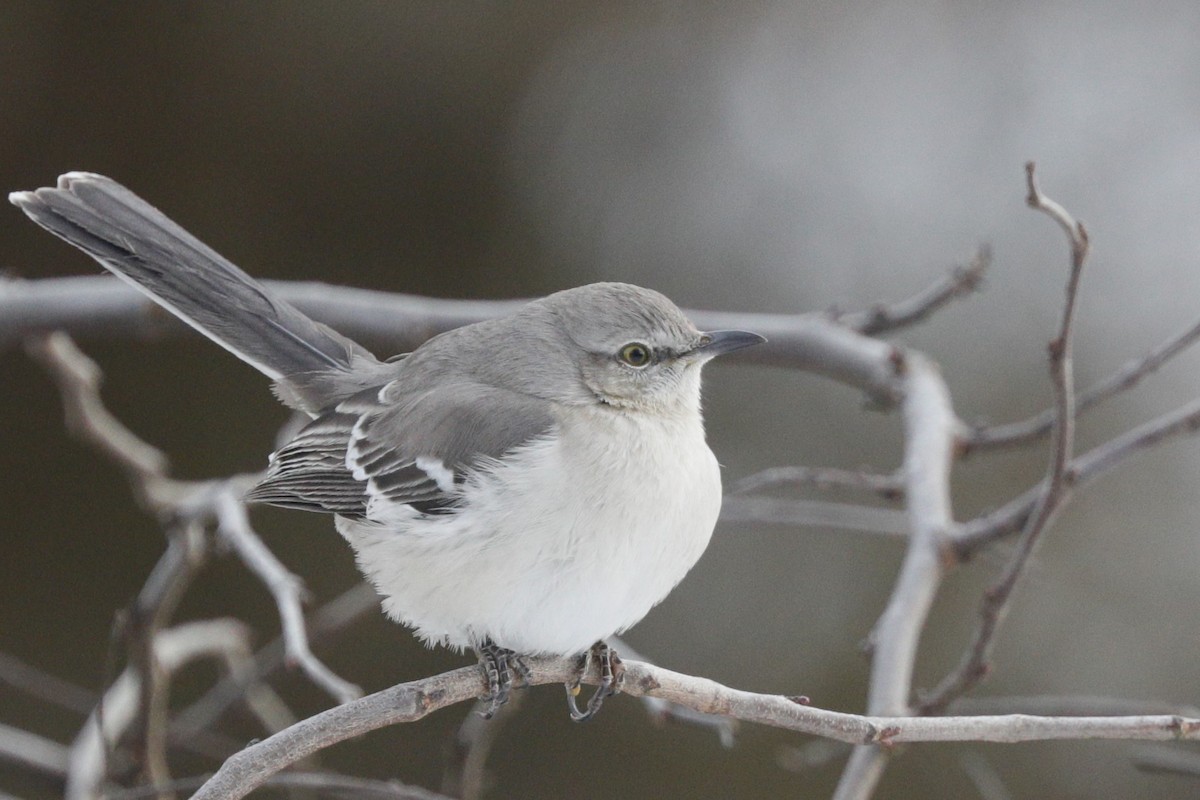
(612, 675)
(498, 665)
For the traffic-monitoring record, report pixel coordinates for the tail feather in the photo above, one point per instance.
(311, 364)
(142, 246)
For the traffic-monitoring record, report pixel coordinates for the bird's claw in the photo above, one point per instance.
(498, 665)
(612, 674)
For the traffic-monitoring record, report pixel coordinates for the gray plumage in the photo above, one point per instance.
(537, 482)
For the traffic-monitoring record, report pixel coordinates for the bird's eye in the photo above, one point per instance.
(635, 354)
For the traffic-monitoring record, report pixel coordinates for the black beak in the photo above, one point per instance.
(718, 343)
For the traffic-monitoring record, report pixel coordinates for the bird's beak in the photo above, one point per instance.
(717, 343)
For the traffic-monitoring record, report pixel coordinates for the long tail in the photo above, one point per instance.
(141, 245)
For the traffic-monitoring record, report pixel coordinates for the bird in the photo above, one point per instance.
(526, 485)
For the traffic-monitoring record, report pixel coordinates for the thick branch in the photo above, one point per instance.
(103, 306)
(929, 427)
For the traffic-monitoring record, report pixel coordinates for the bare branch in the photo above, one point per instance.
(103, 306)
(1056, 487)
(49, 688)
(79, 380)
(465, 776)
(930, 427)
(813, 513)
(287, 589)
(173, 648)
(33, 752)
(327, 621)
(411, 701)
(1127, 377)
(959, 282)
(889, 485)
(1013, 515)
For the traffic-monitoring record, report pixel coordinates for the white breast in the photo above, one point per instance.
(568, 541)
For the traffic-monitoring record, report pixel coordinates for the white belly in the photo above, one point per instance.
(554, 551)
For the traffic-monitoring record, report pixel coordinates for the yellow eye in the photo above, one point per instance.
(635, 354)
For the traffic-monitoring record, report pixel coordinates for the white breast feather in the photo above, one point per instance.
(589, 529)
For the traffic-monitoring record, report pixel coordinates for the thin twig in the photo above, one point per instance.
(79, 381)
(886, 318)
(234, 524)
(49, 688)
(888, 485)
(1055, 489)
(323, 625)
(1127, 377)
(326, 782)
(465, 776)
(661, 711)
(33, 752)
(976, 534)
(173, 648)
(813, 513)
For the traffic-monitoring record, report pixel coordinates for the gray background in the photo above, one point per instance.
(757, 156)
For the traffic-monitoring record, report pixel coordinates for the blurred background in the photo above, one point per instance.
(765, 156)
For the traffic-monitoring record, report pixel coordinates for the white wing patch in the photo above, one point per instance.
(436, 469)
(352, 452)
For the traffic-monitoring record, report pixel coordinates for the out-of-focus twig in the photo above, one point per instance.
(79, 378)
(49, 688)
(79, 381)
(813, 513)
(173, 648)
(234, 524)
(325, 782)
(887, 485)
(1168, 761)
(323, 625)
(33, 752)
(465, 776)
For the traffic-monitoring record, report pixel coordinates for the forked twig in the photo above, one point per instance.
(1057, 485)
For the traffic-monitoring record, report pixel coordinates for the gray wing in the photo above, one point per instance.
(386, 446)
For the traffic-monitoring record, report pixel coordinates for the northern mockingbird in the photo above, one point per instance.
(526, 485)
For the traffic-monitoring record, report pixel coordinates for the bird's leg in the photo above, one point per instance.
(612, 674)
(498, 664)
